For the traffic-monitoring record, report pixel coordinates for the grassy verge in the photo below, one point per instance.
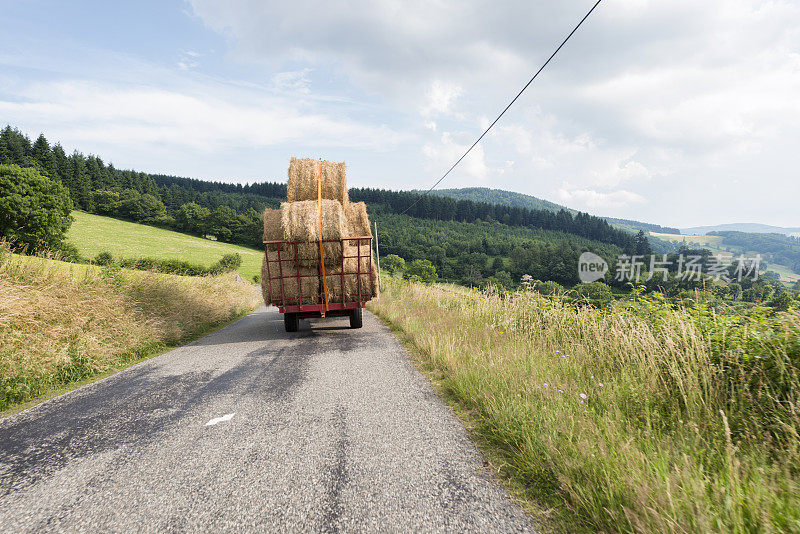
(641, 419)
(62, 323)
(93, 234)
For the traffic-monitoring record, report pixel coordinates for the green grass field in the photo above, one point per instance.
(787, 275)
(93, 234)
(710, 241)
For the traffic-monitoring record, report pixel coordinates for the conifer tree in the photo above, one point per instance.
(79, 183)
(44, 157)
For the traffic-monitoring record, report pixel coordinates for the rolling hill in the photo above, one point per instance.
(93, 234)
(750, 228)
(499, 196)
(781, 252)
(521, 200)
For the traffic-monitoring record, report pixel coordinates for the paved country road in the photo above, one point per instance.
(331, 429)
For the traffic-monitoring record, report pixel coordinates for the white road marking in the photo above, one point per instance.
(226, 417)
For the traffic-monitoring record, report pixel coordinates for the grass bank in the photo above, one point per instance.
(61, 323)
(93, 234)
(638, 419)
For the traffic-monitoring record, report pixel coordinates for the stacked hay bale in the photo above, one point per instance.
(298, 219)
(302, 184)
(358, 226)
(283, 264)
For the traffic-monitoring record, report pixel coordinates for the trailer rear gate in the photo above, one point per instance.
(289, 269)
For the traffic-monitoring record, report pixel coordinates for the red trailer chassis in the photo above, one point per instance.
(288, 268)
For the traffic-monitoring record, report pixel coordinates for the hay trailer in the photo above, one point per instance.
(350, 282)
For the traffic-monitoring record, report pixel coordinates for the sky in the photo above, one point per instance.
(679, 113)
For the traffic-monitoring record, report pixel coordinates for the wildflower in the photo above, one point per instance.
(583, 396)
(592, 376)
(558, 351)
(601, 384)
(518, 395)
(561, 391)
(544, 385)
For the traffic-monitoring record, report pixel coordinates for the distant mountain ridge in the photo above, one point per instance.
(521, 200)
(751, 228)
(499, 196)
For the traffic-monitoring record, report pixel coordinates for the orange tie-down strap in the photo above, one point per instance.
(319, 224)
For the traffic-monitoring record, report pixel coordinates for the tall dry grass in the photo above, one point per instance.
(639, 419)
(61, 322)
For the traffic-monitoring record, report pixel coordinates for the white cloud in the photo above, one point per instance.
(621, 171)
(141, 115)
(189, 60)
(440, 98)
(592, 199)
(442, 154)
(293, 81)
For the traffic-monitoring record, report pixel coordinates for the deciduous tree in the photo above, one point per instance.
(34, 210)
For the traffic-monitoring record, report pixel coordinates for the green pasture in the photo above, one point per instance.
(93, 234)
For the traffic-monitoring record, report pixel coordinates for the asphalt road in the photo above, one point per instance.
(253, 429)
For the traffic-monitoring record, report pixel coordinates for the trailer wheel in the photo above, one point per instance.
(356, 318)
(291, 322)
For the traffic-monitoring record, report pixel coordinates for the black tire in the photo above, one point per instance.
(356, 318)
(291, 321)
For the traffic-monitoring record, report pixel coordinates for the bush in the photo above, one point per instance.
(782, 302)
(595, 294)
(192, 218)
(104, 258)
(226, 264)
(393, 264)
(504, 279)
(548, 288)
(34, 210)
(424, 270)
(105, 202)
(180, 267)
(140, 207)
(69, 252)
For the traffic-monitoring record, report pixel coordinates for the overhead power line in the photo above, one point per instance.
(478, 140)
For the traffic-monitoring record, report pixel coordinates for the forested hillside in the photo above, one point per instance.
(231, 213)
(499, 196)
(520, 200)
(472, 252)
(635, 226)
(779, 248)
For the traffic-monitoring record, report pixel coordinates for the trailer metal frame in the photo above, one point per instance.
(325, 308)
